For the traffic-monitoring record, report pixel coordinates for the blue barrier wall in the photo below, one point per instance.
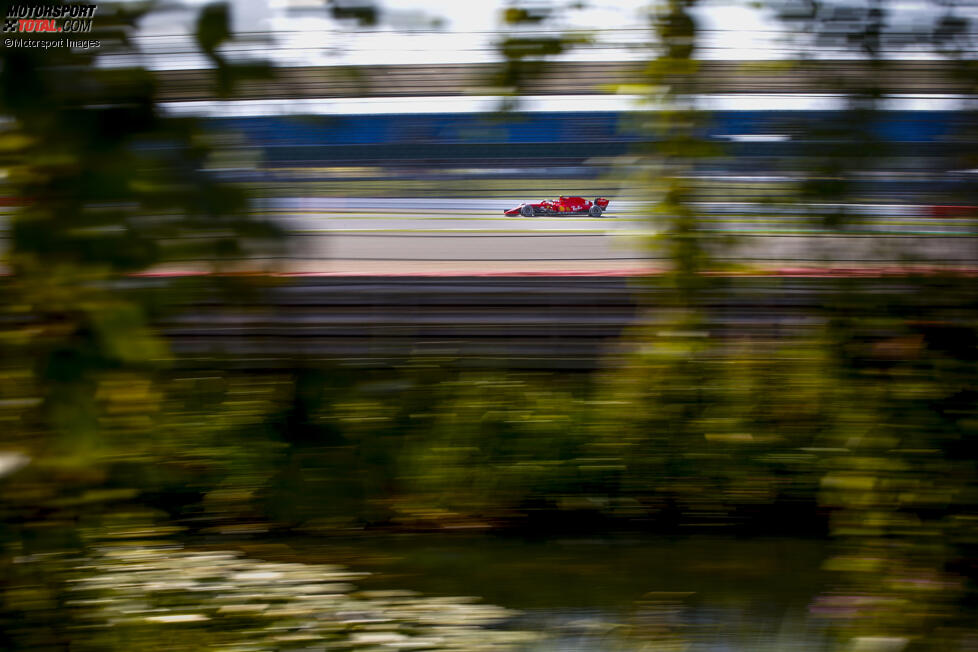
(557, 135)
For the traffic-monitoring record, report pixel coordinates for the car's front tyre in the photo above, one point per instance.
(527, 211)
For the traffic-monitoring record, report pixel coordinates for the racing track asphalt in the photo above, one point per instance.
(410, 236)
(391, 236)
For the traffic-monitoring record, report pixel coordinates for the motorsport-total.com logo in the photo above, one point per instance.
(71, 18)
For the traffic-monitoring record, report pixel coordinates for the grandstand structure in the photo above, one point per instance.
(561, 78)
(574, 113)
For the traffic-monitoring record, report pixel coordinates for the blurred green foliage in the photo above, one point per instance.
(864, 429)
(108, 185)
(525, 52)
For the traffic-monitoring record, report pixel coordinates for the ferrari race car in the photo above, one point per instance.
(561, 206)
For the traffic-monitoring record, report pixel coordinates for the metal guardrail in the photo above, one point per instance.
(541, 323)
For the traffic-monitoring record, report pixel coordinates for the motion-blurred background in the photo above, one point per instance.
(277, 373)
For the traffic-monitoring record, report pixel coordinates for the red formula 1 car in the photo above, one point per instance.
(561, 206)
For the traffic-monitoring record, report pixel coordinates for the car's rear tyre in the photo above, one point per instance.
(594, 211)
(526, 211)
